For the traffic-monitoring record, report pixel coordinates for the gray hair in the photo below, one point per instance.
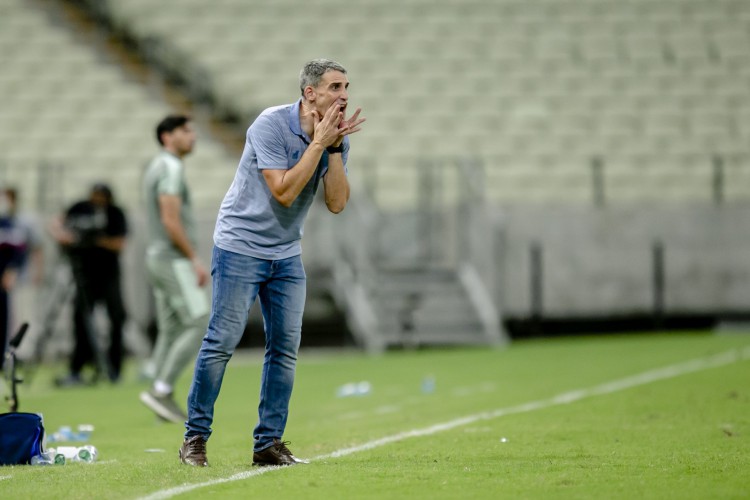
(314, 70)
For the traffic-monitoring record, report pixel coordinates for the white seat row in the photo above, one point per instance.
(63, 103)
(501, 79)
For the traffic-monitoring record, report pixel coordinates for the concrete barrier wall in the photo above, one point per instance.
(601, 261)
(596, 262)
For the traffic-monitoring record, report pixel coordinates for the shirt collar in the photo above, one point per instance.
(294, 123)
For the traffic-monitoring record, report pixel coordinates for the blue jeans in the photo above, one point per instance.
(237, 281)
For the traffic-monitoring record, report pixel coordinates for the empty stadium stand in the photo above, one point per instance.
(534, 90)
(72, 116)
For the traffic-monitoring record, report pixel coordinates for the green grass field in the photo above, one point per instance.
(593, 417)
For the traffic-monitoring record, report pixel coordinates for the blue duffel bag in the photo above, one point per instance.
(21, 437)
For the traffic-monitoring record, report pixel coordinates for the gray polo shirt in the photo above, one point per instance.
(251, 222)
(165, 174)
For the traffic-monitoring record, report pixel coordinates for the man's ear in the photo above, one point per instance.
(310, 93)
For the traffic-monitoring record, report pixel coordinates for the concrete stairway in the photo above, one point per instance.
(425, 307)
(415, 306)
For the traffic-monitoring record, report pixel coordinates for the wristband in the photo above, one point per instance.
(335, 149)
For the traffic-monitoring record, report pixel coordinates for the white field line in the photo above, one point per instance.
(667, 372)
(3, 478)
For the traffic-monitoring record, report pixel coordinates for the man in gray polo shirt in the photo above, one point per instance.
(288, 150)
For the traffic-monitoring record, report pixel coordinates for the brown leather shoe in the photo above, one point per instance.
(276, 454)
(193, 452)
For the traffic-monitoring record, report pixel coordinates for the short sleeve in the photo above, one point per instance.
(170, 180)
(75, 210)
(116, 224)
(268, 143)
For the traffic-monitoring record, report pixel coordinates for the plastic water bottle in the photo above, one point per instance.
(363, 388)
(354, 389)
(428, 385)
(42, 459)
(86, 453)
(56, 457)
(49, 457)
(65, 434)
(84, 432)
(346, 390)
